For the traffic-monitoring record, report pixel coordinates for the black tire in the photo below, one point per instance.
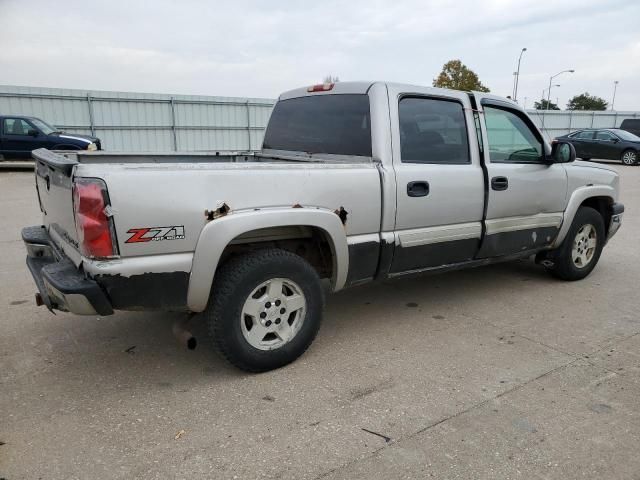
(629, 157)
(234, 284)
(564, 266)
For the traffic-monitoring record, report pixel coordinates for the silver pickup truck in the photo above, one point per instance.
(355, 182)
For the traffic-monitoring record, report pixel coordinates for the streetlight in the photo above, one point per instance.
(544, 90)
(615, 87)
(551, 79)
(517, 76)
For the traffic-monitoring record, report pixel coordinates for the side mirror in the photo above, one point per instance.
(33, 132)
(615, 140)
(562, 152)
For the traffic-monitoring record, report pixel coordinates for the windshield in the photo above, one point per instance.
(334, 124)
(624, 135)
(43, 126)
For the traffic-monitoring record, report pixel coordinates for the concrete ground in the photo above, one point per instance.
(497, 372)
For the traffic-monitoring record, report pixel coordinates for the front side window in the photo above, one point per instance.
(16, 126)
(433, 131)
(604, 135)
(510, 138)
(43, 126)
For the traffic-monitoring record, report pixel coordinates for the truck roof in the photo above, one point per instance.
(362, 87)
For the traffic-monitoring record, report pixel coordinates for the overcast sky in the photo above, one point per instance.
(261, 48)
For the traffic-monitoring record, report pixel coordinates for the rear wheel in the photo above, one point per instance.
(629, 157)
(265, 309)
(580, 251)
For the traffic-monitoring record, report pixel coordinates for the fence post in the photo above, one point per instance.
(90, 107)
(593, 116)
(570, 117)
(173, 124)
(248, 126)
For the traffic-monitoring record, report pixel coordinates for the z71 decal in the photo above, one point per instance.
(155, 234)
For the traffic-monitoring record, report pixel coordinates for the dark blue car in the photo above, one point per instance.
(19, 135)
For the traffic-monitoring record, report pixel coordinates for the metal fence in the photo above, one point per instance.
(162, 123)
(555, 123)
(146, 122)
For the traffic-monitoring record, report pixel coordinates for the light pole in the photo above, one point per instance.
(544, 90)
(551, 79)
(615, 87)
(517, 75)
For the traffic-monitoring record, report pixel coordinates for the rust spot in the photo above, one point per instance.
(342, 213)
(297, 205)
(220, 211)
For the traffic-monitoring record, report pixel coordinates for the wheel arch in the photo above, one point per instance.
(599, 197)
(241, 231)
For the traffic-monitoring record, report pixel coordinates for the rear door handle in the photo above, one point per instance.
(418, 189)
(499, 183)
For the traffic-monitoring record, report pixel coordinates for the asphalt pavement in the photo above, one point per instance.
(497, 372)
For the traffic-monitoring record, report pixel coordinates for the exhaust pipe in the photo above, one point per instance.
(183, 334)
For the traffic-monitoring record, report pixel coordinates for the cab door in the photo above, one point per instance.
(526, 193)
(440, 185)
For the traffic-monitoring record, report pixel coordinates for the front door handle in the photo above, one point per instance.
(418, 189)
(499, 183)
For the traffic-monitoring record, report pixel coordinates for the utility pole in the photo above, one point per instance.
(615, 87)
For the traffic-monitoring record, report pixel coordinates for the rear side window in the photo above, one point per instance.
(433, 131)
(585, 135)
(334, 124)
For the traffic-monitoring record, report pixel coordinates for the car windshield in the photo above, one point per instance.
(624, 135)
(43, 126)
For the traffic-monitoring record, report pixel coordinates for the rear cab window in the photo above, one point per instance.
(337, 124)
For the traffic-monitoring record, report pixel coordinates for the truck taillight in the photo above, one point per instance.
(96, 235)
(322, 87)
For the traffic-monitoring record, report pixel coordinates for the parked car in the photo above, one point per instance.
(631, 125)
(355, 182)
(19, 135)
(607, 144)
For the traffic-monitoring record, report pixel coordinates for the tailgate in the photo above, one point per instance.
(54, 174)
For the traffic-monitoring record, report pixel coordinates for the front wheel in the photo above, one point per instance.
(629, 157)
(580, 251)
(265, 309)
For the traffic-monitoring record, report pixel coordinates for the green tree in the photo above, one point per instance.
(457, 76)
(584, 101)
(543, 105)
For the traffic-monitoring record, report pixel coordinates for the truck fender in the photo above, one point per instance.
(578, 196)
(218, 233)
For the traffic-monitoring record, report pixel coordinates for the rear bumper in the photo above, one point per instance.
(60, 284)
(617, 210)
